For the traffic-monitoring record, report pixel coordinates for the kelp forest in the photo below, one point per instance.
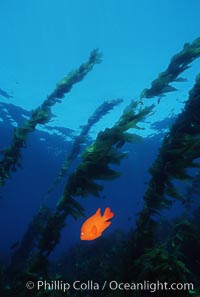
(156, 249)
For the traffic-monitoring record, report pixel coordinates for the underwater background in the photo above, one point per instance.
(99, 107)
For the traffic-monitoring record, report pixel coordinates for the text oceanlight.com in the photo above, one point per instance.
(113, 285)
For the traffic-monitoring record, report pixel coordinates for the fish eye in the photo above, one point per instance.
(82, 233)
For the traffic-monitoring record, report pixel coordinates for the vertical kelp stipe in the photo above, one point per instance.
(27, 244)
(42, 115)
(100, 112)
(179, 152)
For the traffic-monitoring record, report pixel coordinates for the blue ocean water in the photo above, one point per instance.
(42, 41)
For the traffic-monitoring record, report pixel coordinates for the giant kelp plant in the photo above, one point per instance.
(42, 115)
(143, 254)
(179, 152)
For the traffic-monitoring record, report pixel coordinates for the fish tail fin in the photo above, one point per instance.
(108, 214)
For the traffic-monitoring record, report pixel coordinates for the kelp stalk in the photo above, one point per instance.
(100, 112)
(42, 115)
(179, 152)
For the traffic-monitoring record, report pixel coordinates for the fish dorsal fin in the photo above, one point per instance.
(94, 230)
(98, 212)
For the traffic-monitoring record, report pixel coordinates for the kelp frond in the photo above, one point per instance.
(133, 114)
(179, 63)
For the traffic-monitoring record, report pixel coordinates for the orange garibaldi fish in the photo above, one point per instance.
(93, 227)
